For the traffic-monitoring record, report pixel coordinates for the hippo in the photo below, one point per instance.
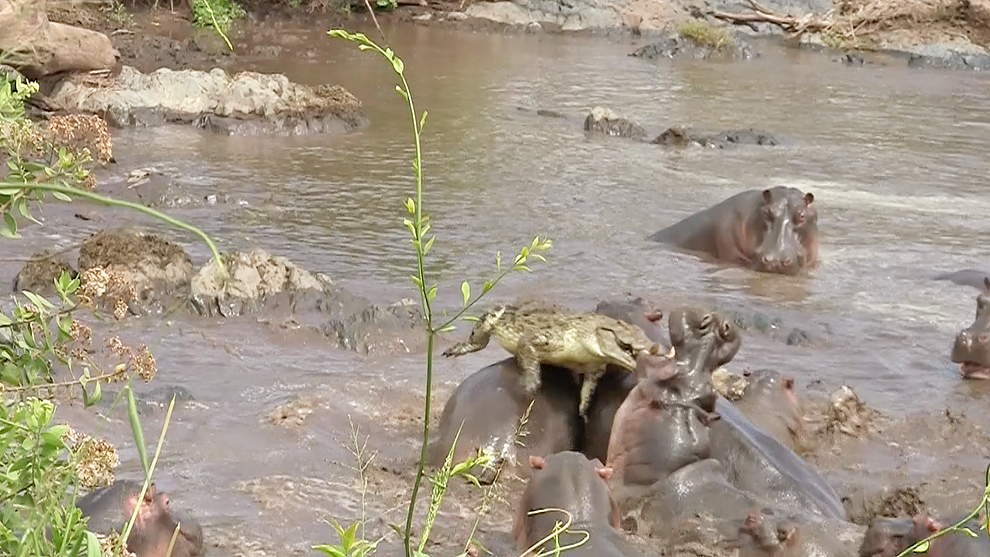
(568, 480)
(758, 463)
(769, 403)
(652, 435)
(709, 341)
(887, 537)
(966, 277)
(774, 230)
(636, 311)
(765, 535)
(699, 355)
(490, 403)
(971, 349)
(701, 491)
(110, 508)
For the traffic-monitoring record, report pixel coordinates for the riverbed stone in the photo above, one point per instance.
(679, 136)
(604, 120)
(575, 15)
(678, 45)
(246, 103)
(145, 271)
(40, 273)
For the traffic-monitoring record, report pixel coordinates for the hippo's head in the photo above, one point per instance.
(971, 349)
(565, 480)
(789, 232)
(693, 332)
(886, 537)
(155, 524)
(762, 534)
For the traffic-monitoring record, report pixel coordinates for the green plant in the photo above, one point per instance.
(219, 14)
(706, 34)
(418, 223)
(40, 471)
(386, 5)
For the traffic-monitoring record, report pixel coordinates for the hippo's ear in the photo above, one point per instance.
(786, 534)
(767, 196)
(605, 472)
(789, 383)
(934, 525)
(537, 462)
(986, 283)
(809, 198)
(753, 520)
(654, 315)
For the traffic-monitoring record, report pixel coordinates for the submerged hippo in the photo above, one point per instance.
(774, 230)
(770, 403)
(569, 481)
(966, 277)
(765, 535)
(701, 344)
(637, 312)
(759, 464)
(491, 402)
(887, 537)
(971, 349)
(110, 508)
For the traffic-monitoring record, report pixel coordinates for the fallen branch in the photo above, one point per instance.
(794, 26)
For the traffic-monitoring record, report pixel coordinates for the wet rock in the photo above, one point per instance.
(154, 269)
(872, 501)
(261, 282)
(153, 188)
(46, 48)
(254, 276)
(730, 385)
(40, 273)
(851, 59)
(575, 15)
(945, 58)
(772, 326)
(849, 415)
(294, 412)
(245, 103)
(456, 16)
(714, 44)
(604, 120)
(682, 137)
(81, 132)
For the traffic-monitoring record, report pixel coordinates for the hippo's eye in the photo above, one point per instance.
(799, 218)
(768, 213)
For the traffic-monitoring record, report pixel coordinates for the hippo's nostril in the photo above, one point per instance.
(787, 262)
(983, 338)
(766, 260)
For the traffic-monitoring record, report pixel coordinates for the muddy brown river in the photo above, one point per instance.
(896, 159)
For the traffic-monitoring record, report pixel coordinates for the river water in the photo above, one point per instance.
(895, 158)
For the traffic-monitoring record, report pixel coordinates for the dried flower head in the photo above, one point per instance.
(94, 282)
(82, 133)
(144, 363)
(110, 545)
(96, 458)
(80, 332)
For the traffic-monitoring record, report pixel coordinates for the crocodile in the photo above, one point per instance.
(584, 343)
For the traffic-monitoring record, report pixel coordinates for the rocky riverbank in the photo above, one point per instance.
(919, 33)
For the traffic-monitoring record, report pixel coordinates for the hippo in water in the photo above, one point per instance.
(763, 534)
(110, 508)
(770, 403)
(966, 277)
(490, 403)
(887, 537)
(971, 349)
(569, 481)
(774, 230)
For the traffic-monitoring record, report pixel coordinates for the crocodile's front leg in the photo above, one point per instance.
(528, 351)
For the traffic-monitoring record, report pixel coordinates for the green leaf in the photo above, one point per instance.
(400, 91)
(422, 121)
(37, 300)
(470, 319)
(136, 430)
(968, 531)
(410, 206)
(332, 550)
(431, 293)
(429, 245)
(61, 196)
(92, 545)
(92, 398)
(465, 292)
(9, 230)
(447, 329)
(397, 64)
(498, 260)
(923, 548)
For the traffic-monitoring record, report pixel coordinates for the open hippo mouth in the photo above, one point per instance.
(973, 370)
